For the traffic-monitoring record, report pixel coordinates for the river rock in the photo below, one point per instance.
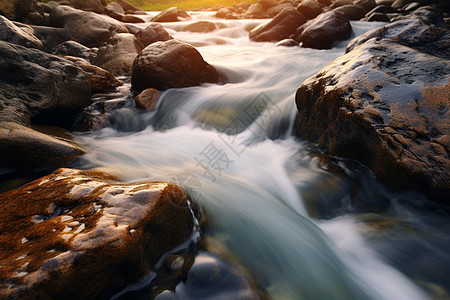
(201, 27)
(72, 48)
(100, 79)
(16, 9)
(89, 5)
(147, 99)
(429, 14)
(114, 7)
(118, 54)
(170, 64)
(273, 11)
(87, 28)
(323, 31)
(310, 8)
(255, 11)
(172, 14)
(23, 35)
(352, 12)
(153, 33)
(279, 28)
(75, 229)
(413, 33)
(36, 87)
(385, 105)
(377, 17)
(130, 8)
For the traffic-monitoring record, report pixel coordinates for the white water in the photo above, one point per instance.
(230, 146)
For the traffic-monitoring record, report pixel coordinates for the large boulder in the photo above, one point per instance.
(36, 87)
(23, 35)
(118, 54)
(82, 235)
(323, 31)
(153, 33)
(413, 33)
(16, 9)
(170, 64)
(385, 105)
(87, 28)
(172, 14)
(279, 28)
(352, 12)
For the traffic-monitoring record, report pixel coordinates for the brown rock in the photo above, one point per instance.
(16, 9)
(147, 99)
(255, 11)
(118, 54)
(130, 8)
(89, 5)
(23, 35)
(384, 105)
(352, 12)
(201, 27)
(172, 14)
(153, 33)
(170, 64)
(273, 11)
(131, 19)
(100, 79)
(310, 8)
(279, 28)
(75, 229)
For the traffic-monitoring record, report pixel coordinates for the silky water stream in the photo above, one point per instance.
(304, 225)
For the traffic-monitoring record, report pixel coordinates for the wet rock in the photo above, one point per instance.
(385, 105)
(147, 99)
(201, 27)
(170, 64)
(255, 11)
(36, 87)
(75, 229)
(72, 48)
(279, 28)
(153, 33)
(273, 11)
(287, 43)
(225, 12)
(87, 28)
(266, 4)
(172, 14)
(377, 17)
(323, 31)
(100, 79)
(428, 14)
(115, 7)
(310, 8)
(23, 35)
(118, 54)
(367, 4)
(130, 8)
(16, 9)
(337, 3)
(131, 19)
(352, 12)
(412, 33)
(89, 5)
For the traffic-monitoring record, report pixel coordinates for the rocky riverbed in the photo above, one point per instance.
(72, 66)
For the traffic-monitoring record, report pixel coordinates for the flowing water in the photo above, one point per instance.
(304, 225)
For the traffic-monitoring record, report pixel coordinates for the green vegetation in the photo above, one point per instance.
(189, 4)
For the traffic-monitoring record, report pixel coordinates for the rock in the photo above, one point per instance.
(130, 8)
(273, 11)
(281, 27)
(413, 33)
(36, 87)
(89, 5)
(377, 17)
(384, 2)
(255, 11)
(23, 35)
(75, 229)
(287, 43)
(385, 105)
(147, 99)
(172, 14)
(16, 9)
(428, 14)
(337, 3)
(352, 12)
(35, 18)
(382, 9)
(170, 64)
(153, 33)
(72, 48)
(310, 8)
(118, 54)
(100, 79)
(115, 7)
(323, 31)
(201, 27)
(224, 12)
(87, 28)
(266, 4)
(367, 4)
(131, 19)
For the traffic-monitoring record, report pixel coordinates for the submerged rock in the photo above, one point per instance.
(170, 64)
(385, 105)
(23, 35)
(75, 229)
(279, 28)
(323, 31)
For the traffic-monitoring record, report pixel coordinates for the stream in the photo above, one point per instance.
(304, 225)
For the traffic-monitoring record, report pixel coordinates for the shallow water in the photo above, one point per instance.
(304, 225)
